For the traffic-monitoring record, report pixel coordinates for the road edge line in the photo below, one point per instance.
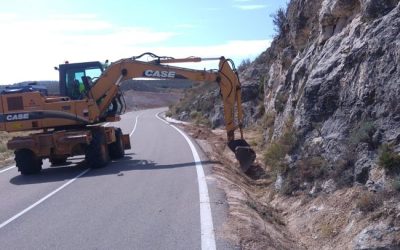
(134, 127)
(206, 221)
(41, 200)
(6, 169)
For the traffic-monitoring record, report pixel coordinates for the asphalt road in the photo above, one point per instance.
(151, 199)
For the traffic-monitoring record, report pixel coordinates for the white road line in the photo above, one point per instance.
(41, 200)
(206, 221)
(134, 127)
(4, 170)
(55, 191)
(159, 118)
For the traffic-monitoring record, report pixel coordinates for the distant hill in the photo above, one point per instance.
(52, 86)
(155, 85)
(137, 85)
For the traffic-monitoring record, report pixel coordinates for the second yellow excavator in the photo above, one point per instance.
(70, 124)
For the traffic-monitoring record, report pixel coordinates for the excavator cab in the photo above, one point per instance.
(76, 79)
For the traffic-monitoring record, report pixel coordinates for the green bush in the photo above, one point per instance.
(199, 119)
(194, 114)
(280, 21)
(363, 133)
(168, 113)
(396, 183)
(289, 138)
(274, 156)
(312, 167)
(388, 159)
(244, 65)
(280, 101)
(261, 88)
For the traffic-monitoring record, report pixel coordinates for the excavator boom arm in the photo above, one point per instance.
(106, 87)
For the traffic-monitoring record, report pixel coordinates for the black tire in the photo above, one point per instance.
(58, 160)
(97, 151)
(27, 162)
(116, 148)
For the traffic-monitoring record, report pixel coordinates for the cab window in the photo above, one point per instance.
(75, 86)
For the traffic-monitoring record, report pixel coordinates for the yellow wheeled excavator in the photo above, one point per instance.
(71, 124)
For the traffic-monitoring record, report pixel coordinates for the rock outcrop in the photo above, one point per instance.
(332, 76)
(336, 73)
(330, 88)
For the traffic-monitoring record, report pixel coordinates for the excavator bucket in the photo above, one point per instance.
(243, 152)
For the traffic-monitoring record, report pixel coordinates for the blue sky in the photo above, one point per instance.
(37, 35)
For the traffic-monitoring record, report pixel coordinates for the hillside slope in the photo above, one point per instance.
(332, 76)
(330, 86)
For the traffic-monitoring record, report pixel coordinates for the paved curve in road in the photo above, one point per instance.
(147, 200)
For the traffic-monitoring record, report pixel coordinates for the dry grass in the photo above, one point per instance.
(274, 156)
(327, 231)
(186, 103)
(396, 183)
(255, 137)
(6, 155)
(312, 167)
(4, 152)
(368, 202)
(268, 120)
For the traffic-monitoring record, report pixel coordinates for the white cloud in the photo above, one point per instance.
(7, 16)
(30, 49)
(251, 7)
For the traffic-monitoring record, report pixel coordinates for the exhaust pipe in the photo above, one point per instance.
(243, 153)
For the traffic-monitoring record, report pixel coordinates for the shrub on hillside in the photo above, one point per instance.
(275, 154)
(388, 159)
(368, 202)
(396, 183)
(244, 65)
(280, 21)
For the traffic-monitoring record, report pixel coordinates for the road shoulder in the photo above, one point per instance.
(246, 223)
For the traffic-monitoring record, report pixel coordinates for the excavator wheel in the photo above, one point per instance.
(96, 155)
(116, 148)
(27, 162)
(243, 153)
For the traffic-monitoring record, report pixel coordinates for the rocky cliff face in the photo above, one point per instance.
(334, 74)
(332, 111)
(330, 84)
(327, 95)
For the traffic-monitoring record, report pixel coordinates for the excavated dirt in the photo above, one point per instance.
(262, 218)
